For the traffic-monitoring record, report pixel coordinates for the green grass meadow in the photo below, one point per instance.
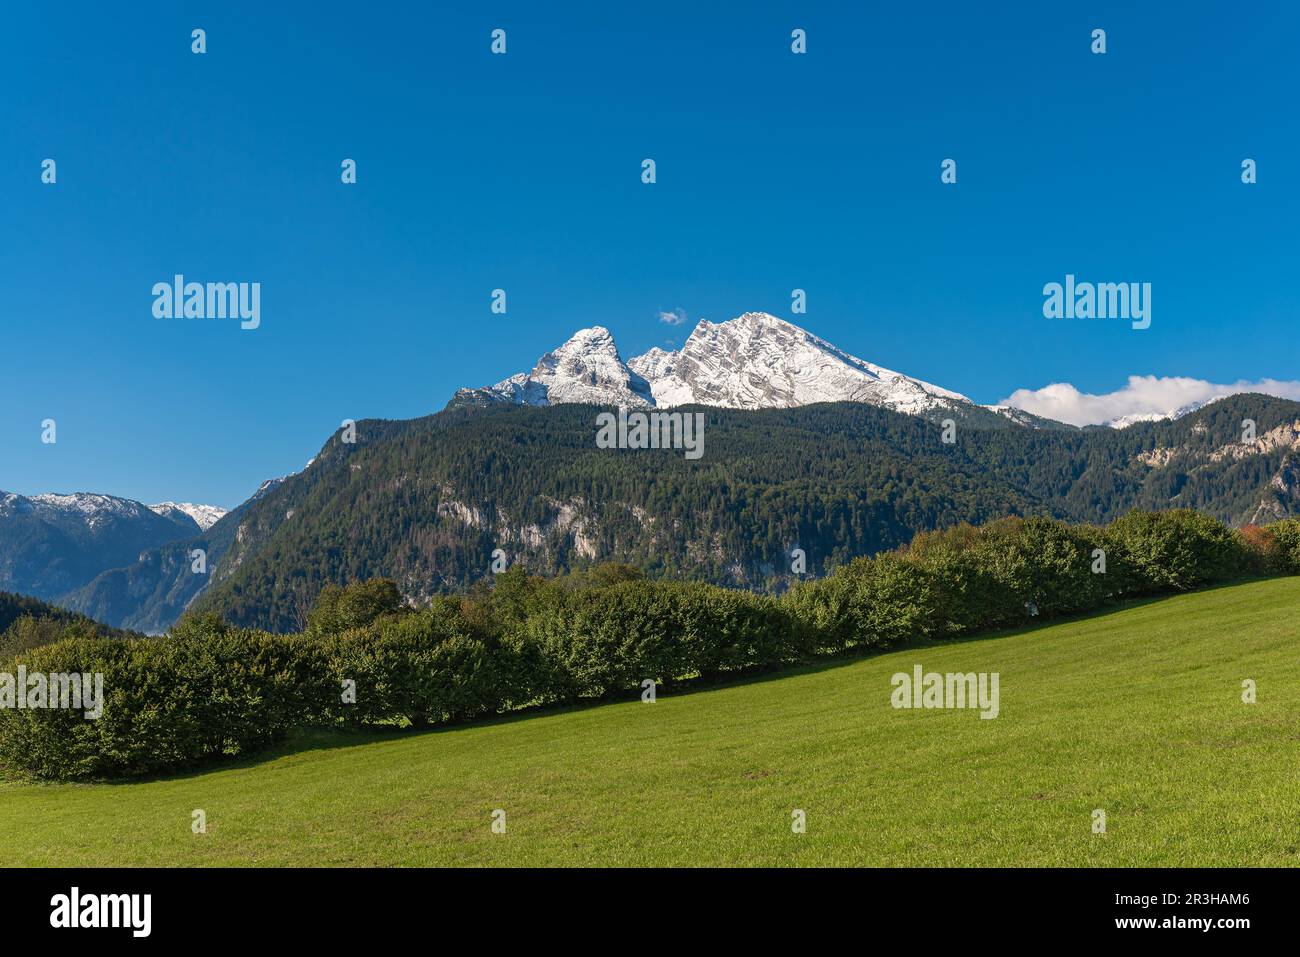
(1137, 711)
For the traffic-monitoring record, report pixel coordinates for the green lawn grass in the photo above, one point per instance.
(1137, 711)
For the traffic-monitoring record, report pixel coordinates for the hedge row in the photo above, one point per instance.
(209, 691)
(966, 580)
(202, 693)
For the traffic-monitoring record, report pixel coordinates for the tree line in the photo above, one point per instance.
(211, 690)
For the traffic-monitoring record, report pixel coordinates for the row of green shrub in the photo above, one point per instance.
(209, 691)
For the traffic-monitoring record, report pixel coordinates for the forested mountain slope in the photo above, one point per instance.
(427, 501)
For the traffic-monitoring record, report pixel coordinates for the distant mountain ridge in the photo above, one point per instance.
(65, 548)
(204, 516)
(1124, 421)
(53, 543)
(150, 593)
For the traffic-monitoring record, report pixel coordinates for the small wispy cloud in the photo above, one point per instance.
(1143, 395)
(674, 317)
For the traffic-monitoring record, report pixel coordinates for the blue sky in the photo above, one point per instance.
(522, 171)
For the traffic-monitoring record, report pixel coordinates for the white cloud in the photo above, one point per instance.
(673, 318)
(1143, 395)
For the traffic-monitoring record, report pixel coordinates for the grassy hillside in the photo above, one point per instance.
(1137, 711)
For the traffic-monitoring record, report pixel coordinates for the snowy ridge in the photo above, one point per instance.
(1133, 418)
(93, 509)
(204, 516)
(1019, 416)
(88, 507)
(755, 361)
(587, 368)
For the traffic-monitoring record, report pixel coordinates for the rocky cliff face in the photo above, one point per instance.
(1281, 493)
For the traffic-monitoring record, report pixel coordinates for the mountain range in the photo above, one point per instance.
(807, 446)
(77, 550)
(755, 361)
(51, 544)
(430, 502)
(204, 516)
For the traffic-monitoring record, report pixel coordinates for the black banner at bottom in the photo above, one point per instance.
(333, 906)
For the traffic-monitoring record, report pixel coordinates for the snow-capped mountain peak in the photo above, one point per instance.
(754, 361)
(1133, 418)
(87, 503)
(759, 361)
(91, 513)
(90, 509)
(205, 516)
(587, 368)
(93, 509)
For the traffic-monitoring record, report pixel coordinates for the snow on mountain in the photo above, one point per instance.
(754, 361)
(587, 368)
(658, 367)
(1133, 418)
(271, 484)
(758, 361)
(53, 544)
(205, 516)
(88, 507)
(1019, 416)
(93, 509)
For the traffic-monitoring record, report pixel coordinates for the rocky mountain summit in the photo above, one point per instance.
(755, 361)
